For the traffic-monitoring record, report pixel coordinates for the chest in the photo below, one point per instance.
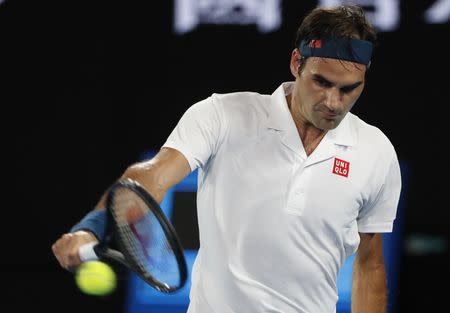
(272, 186)
(272, 201)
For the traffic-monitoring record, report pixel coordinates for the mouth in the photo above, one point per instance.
(329, 115)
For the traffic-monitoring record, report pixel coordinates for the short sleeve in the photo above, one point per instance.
(198, 133)
(378, 216)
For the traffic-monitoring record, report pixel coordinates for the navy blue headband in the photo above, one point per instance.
(353, 50)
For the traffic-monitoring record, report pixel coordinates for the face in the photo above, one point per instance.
(325, 90)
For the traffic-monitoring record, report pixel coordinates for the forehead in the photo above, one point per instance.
(335, 70)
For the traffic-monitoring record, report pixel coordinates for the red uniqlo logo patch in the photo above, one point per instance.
(341, 167)
(315, 43)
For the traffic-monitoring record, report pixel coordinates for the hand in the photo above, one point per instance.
(66, 248)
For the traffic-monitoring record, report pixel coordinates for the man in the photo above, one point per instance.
(290, 184)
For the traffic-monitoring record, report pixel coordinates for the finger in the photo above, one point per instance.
(63, 249)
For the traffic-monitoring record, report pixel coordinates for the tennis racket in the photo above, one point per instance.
(146, 242)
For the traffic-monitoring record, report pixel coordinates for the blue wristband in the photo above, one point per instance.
(94, 221)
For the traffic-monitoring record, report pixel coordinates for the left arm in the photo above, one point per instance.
(369, 285)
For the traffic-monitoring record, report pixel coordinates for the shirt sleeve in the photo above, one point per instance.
(378, 216)
(198, 133)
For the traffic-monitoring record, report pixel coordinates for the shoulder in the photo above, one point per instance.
(372, 145)
(244, 102)
(235, 104)
(242, 111)
(370, 136)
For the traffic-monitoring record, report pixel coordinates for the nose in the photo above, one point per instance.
(333, 99)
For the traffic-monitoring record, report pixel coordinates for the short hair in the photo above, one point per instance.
(345, 21)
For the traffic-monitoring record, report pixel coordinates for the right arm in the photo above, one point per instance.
(156, 175)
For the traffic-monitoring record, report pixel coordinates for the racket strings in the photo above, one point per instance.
(145, 238)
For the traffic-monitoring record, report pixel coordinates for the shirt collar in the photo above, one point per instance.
(280, 118)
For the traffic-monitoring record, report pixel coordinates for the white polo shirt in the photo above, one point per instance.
(275, 225)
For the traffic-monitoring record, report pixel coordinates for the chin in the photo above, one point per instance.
(328, 124)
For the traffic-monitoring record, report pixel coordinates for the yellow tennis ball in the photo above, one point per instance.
(96, 278)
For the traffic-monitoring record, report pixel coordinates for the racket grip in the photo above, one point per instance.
(87, 252)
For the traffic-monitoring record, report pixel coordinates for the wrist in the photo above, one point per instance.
(93, 222)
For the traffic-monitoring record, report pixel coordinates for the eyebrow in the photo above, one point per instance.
(348, 87)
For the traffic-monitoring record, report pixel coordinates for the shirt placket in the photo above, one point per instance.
(296, 196)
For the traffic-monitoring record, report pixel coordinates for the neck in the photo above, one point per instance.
(309, 134)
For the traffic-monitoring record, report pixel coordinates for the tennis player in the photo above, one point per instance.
(290, 184)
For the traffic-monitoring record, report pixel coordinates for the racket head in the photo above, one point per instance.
(145, 237)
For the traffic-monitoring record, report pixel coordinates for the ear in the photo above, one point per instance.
(295, 56)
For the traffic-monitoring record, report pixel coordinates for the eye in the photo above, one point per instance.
(347, 89)
(322, 82)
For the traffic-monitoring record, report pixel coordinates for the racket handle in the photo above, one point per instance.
(87, 252)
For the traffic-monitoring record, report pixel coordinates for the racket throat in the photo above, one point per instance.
(111, 255)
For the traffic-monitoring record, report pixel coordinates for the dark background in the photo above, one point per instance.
(89, 86)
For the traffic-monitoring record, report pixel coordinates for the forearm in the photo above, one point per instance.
(369, 289)
(144, 176)
(157, 175)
